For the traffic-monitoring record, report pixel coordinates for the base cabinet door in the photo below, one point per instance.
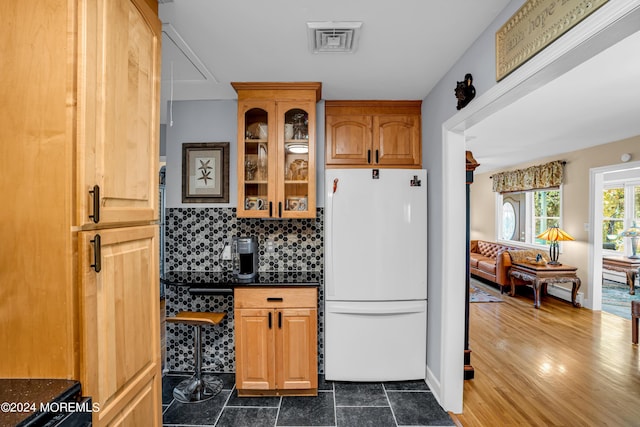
(276, 345)
(296, 349)
(120, 337)
(254, 349)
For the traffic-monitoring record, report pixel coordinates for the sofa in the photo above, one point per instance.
(491, 261)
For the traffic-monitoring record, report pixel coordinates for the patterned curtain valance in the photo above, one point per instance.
(538, 177)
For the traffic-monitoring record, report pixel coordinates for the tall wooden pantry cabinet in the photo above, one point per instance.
(79, 294)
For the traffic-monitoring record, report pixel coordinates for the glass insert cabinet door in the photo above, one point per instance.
(276, 160)
(256, 155)
(296, 163)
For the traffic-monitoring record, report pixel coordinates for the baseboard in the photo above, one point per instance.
(434, 386)
(614, 276)
(563, 293)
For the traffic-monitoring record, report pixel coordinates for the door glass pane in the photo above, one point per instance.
(296, 160)
(613, 218)
(256, 150)
(636, 203)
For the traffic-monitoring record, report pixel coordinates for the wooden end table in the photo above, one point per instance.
(540, 275)
(629, 266)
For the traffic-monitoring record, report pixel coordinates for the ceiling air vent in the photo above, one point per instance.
(330, 37)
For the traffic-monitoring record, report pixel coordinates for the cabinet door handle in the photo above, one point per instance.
(279, 320)
(377, 156)
(274, 299)
(97, 264)
(269, 320)
(279, 209)
(270, 209)
(368, 156)
(96, 203)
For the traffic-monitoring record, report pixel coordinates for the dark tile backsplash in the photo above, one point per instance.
(194, 240)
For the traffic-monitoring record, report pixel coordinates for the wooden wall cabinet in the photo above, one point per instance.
(276, 149)
(276, 341)
(373, 134)
(80, 287)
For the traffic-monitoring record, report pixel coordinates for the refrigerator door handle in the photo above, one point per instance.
(378, 309)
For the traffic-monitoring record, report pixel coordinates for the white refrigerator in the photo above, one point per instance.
(375, 274)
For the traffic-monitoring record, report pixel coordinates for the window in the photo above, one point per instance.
(546, 212)
(620, 208)
(508, 220)
(526, 214)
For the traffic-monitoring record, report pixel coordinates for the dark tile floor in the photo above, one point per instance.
(405, 403)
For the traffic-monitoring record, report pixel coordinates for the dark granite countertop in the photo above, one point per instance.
(218, 279)
(20, 397)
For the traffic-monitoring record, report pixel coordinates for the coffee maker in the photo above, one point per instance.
(245, 258)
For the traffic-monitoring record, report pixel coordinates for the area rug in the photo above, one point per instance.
(477, 294)
(616, 299)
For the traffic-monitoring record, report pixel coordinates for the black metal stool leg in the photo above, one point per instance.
(199, 387)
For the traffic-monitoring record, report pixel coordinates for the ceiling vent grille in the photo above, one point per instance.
(333, 37)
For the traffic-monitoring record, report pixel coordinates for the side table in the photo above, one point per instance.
(629, 266)
(541, 275)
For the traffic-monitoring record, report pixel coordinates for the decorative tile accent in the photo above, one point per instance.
(195, 238)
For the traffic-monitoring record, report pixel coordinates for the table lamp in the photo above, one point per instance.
(554, 235)
(634, 233)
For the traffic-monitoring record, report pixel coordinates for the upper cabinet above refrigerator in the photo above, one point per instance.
(378, 134)
(276, 149)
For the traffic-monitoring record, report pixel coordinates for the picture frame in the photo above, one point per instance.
(205, 172)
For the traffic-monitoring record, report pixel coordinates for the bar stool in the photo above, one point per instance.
(635, 315)
(199, 387)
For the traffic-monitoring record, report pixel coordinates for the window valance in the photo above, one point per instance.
(538, 177)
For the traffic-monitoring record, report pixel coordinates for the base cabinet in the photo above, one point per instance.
(276, 341)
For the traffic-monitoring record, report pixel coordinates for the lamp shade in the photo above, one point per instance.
(632, 231)
(554, 234)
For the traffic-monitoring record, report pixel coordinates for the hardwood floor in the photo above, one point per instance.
(556, 366)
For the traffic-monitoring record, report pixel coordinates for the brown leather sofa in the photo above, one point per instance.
(490, 261)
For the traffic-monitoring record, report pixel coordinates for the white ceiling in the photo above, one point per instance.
(405, 48)
(595, 103)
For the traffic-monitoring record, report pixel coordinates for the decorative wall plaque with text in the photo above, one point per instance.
(534, 26)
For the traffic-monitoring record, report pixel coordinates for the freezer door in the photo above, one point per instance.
(375, 341)
(376, 234)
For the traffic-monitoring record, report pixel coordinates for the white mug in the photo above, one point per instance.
(253, 203)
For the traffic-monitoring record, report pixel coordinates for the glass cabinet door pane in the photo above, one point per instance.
(296, 160)
(256, 146)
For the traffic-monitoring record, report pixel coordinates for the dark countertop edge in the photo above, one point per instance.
(279, 285)
(37, 391)
(224, 282)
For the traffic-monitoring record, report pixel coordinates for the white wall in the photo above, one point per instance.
(200, 121)
(446, 318)
(217, 121)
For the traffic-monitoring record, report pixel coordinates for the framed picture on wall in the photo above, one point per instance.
(205, 172)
